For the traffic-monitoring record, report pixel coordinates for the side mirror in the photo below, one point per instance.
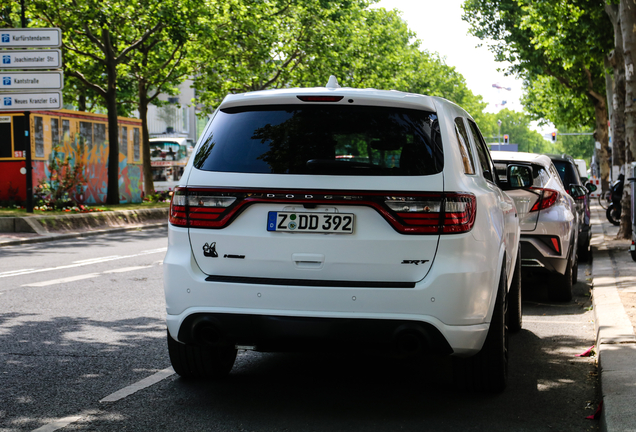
(519, 176)
(577, 191)
(590, 187)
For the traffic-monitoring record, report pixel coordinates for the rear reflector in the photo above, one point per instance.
(547, 199)
(320, 98)
(406, 212)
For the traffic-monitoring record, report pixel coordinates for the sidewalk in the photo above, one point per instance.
(59, 227)
(614, 279)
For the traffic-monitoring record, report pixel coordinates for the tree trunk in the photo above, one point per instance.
(627, 16)
(601, 134)
(628, 20)
(149, 186)
(112, 196)
(621, 155)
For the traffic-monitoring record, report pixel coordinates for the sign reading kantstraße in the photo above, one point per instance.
(30, 37)
(28, 80)
(31, 59)
(30, 101)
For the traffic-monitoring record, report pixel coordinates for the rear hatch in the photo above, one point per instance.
(319, 195)
(527, 201)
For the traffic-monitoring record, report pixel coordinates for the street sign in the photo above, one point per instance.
(30, 37)
(31, 80)
(31, 59)
(30, 101)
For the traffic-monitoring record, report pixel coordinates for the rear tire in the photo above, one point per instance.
(613, 215)
(561, 285)
(584, 250)
(633, 254)
(487, 371)
(200, 361)
(515, 307)
(575, 270)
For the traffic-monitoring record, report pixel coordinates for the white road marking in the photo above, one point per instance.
(126, 269)
(93, 260)
(146, 382)
(80, 264)
(58, 424)
(10, 273)
(63, 280)
(554, 322)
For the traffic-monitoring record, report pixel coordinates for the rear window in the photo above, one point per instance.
(567, 172)
(540, 176)
(328, 140)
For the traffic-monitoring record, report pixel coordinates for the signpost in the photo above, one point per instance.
(22, 89)
(31, 80)
(31, 59)
(30, 37)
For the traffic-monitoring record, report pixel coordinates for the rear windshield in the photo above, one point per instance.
(329, 140)
(540, 176)
(567, 172)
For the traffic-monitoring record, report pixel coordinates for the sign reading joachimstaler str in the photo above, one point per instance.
(30, 101)
(30, 37)
(31, 59)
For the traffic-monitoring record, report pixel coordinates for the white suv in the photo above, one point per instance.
(322, 218)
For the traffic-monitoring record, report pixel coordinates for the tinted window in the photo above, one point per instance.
(567, 172)
(123, 145)
(483, 153)
(343, 140)
(38, 134)
(55, 132)
(136, 144)
(86, 133)
(540, 176)
(464, 146)
(5, 144)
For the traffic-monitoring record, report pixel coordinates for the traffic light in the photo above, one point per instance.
(506, 140)
(553, 137)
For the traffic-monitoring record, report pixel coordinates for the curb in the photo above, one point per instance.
(53, 237)
(615, 339)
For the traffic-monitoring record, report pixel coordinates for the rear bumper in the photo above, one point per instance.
(285, 333)
(535, 256)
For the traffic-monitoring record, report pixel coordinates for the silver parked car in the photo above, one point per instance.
(548, 220)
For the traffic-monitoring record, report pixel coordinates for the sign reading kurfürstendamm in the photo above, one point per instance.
(30, 37)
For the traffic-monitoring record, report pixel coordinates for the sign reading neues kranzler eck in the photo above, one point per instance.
(31, 59)
(30, 101)
(30, 37)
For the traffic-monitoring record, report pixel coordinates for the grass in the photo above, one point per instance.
(12, 212)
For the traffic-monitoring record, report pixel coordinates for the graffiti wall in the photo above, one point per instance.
(83, 139)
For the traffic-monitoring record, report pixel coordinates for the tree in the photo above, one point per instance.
(621, 153)
(104, 33)
(562, 40)
(159, 64)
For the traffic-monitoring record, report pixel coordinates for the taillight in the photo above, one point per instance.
(547, 199)
(201, 208)
(438, 213)
(406, 212)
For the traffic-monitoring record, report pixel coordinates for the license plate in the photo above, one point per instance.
(339, 223)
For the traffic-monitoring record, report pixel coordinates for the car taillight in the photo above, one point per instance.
(439, 213)
(406, 212)
(201, 208)
(547, 199)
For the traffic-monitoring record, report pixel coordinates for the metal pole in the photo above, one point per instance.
(499, 135)
(27, 137)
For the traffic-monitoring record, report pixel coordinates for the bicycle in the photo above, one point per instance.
(605, 199)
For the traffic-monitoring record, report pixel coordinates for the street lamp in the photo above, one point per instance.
(499, 135)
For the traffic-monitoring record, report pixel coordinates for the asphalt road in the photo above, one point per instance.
(82, 347)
